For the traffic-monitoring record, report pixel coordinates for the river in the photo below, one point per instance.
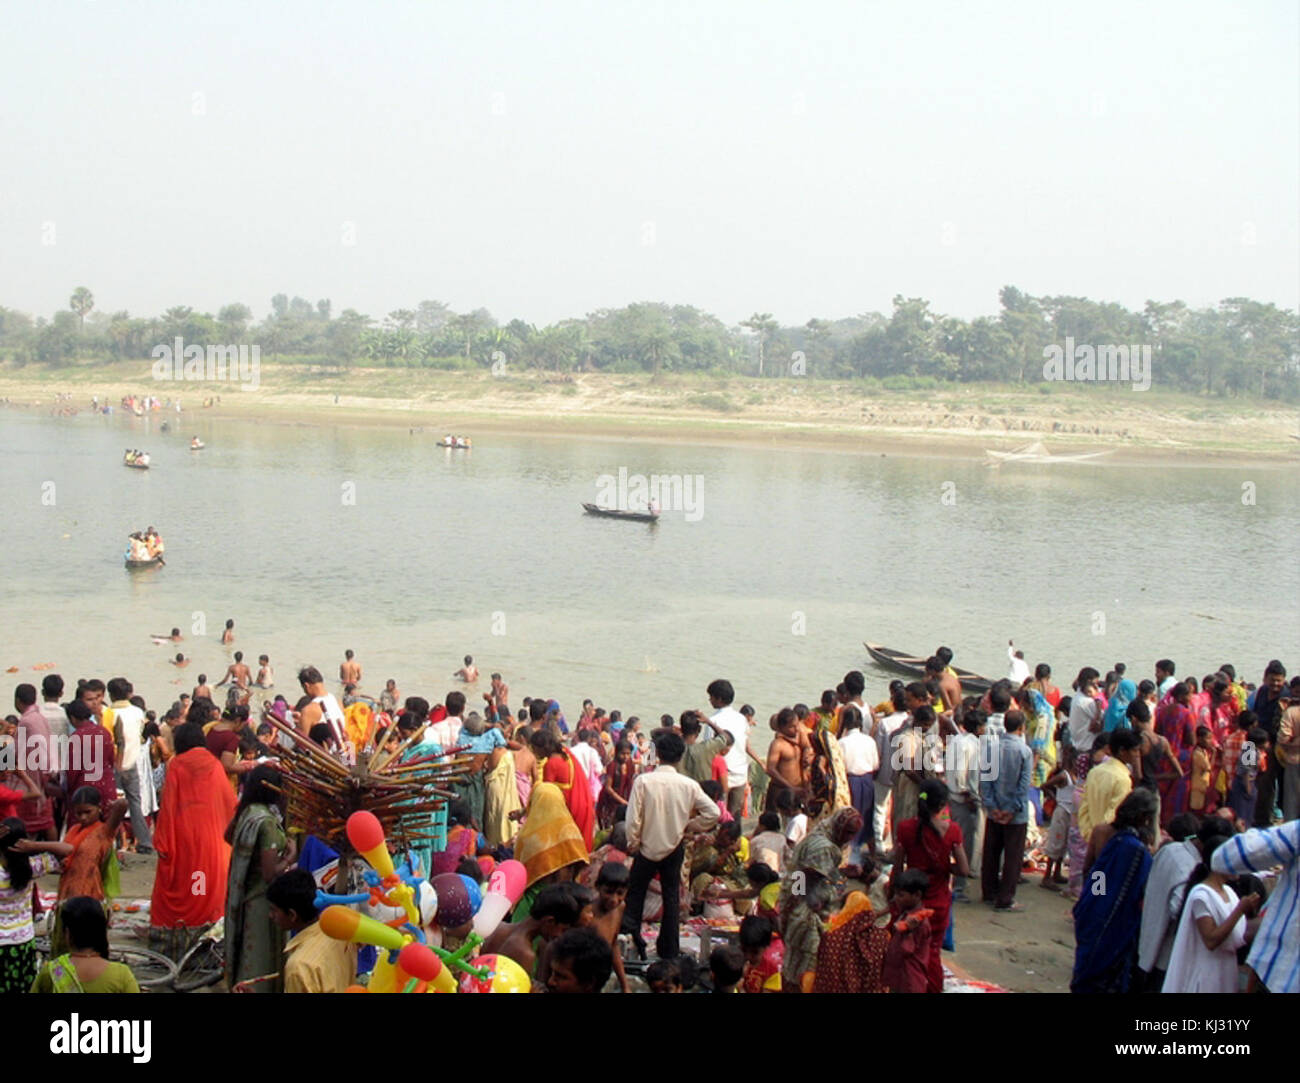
(316, 539)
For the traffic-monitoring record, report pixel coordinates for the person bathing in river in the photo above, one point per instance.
(228, 634)
(265, 676)
(237, 673)
(350, 669)
(468, 672)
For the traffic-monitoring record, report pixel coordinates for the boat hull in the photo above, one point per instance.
(629, 516)
(913, 666)
(137, 565)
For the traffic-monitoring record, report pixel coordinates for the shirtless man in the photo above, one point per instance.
(500, 693)
(390, 697)
(175, 637)
(180, 661)
(555, 910)
(265, 677)
(228, 635)
(468, 672)
(789, 756)
(349, 669)
(202, 689)
(949, 685)
(237, 672)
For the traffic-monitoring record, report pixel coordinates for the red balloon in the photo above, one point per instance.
(365, 832)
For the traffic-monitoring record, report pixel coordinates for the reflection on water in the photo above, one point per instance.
(315, 540)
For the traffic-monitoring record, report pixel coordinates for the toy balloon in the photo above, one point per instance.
(344, 924)
(489, 915)
(454, 907)
(475, 892)
(510, 879)
(366, 834)
(507, 976)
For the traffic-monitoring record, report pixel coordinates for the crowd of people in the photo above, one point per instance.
(145, 545)
(837, 860)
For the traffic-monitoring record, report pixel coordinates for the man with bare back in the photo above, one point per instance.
(238, 673)
(788, 757)
(350, 669)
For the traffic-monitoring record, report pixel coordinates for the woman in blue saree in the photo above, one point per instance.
(1108, 915)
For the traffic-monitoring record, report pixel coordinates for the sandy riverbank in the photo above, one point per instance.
(964, 421)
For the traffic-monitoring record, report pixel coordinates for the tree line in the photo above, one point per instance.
(1240, 347)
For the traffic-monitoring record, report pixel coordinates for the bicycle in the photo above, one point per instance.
(204, 963)
(153, 972)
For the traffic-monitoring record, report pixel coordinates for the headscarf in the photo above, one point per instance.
(1114, 717)
(548, 839)
(553, 708)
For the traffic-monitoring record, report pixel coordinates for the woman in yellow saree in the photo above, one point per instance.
(549, 843)
(501, 798)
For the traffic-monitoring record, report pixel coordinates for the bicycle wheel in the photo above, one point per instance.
(153, 972)
(201, 966)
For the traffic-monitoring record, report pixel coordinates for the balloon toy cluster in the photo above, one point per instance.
(402, 907)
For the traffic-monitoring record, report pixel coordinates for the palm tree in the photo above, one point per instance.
(81, 302)
(762, 324)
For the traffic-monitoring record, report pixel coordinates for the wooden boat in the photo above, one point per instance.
(1037, 453)
(631, 516)
(136, 565)
(136, 465)
(913, 666)
(456, 447)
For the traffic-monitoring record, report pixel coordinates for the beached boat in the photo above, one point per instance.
(1037, 453)
(136, 565)
(914, 666)
(631, 516)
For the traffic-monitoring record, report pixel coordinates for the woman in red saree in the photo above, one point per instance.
(933, 843)
(563, 770)
(189, 889)
(618, 785)
(1176, 723)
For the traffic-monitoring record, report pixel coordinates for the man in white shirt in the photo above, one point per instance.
(447, 732)
(883, 784)
(55, 715)
(662, 808)
(126, 727)
(725, 717)
(964, 760)
(1018, 672)
(1085, 713)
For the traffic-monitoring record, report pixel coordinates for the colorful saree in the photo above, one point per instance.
(549, 840)
(1174, 723)
(254, 943)
(567, 775)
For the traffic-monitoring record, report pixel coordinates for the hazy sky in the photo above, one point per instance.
(546, 159)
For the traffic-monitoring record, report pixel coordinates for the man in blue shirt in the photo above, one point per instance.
(1005, 796)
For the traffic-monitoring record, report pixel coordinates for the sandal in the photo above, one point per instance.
(1014, 908)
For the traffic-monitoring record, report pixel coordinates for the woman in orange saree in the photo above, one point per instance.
(189, 890)
(564, 771)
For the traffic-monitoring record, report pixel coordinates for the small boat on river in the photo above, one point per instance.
(914, 666)
(614, 513)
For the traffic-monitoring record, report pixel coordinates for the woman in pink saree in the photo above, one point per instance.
(1176, 723)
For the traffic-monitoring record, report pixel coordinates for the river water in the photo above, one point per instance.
(317, 539)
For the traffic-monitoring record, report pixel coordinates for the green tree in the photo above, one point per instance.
(81, 302)
(762, 324)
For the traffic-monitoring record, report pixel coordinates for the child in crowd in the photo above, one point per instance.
(611, 898)
(22, 860)
(581, 962)
(727, 967)
(1252, 758)
(1061, 785)
(767, 844)
(665, 975)
(90, 867)
(764, 952)
(1201, 796)
(907, 957)
(719, 795)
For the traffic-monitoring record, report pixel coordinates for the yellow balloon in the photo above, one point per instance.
(384, 977)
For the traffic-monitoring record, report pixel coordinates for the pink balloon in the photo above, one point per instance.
(510, 878)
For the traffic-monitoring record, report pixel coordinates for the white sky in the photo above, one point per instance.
(546, 159)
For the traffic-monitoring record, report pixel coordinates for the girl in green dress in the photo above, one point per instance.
(85, 967)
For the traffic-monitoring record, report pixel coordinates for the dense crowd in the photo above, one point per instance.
(837, 860)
